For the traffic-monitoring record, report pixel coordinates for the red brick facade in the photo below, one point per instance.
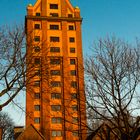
(59, 112)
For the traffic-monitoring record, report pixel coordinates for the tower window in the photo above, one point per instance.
(74, 107)
(53, 6)
(74, 84)
(37, 26)
(55, 107)
(56, 84)
(37, 38)
(70, 16)
(72, 61)
(57, 120)
(71, 39)
(37, 83)
(55, 96)
(71, 27)
(56, 133)
(54, 39)
(37, 120)
(54, 14)
(73, 72)
(36, 49)
(75, 133)
(75, 120)
(37, 107)
(72, 50)
(37, 61)
(37, 72)
(74, 95)
(38, 14)
(54, 27)
(55, 61)
(37, 95)
(55, 72)
(54, 49)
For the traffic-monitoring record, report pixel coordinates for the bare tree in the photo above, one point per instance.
(7, 126)
(112, 78)
(12, 63)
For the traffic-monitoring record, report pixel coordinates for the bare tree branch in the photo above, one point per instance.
(112, 78)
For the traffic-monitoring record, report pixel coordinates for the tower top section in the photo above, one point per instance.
(53, 8)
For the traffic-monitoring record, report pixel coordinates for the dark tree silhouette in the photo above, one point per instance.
(7, 125)
(112, 79)
(12, 63)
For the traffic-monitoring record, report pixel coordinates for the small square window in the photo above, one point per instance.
(37, 107)
(53, 120)
(56, 84)
(71, 27)
(37, 61)
(37, 26)
(36, 49)
(55, 95)
(38, 14)
(71, 39)
(37, 95)
(54, 27)
(74, 107)
(74, 120)
(55, 61)
(56, 133)
(73, 72)
(59, 120)
(59, 133)
(72, 61)
(74, 95)
(55, 72)
(54, 39)
(37, 72)
(72, 50)
(37, 38)
(53, 6)
(56, 120)
(75, 133)
(74, 84)
(37, 83)
(36, 120)
(54, 49)
(70, 15)
(55, 107)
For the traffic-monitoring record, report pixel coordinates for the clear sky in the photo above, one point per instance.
(100, 18)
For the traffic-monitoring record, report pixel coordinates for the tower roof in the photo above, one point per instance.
(42, 6)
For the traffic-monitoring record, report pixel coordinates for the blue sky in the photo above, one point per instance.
(100, 18)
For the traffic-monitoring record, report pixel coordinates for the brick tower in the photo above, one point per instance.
(55, 98)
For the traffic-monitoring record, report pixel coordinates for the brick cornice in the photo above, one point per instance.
(53, 18)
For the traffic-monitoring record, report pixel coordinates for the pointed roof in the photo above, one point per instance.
(39, 1)
(41, 6)
(30, 133)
